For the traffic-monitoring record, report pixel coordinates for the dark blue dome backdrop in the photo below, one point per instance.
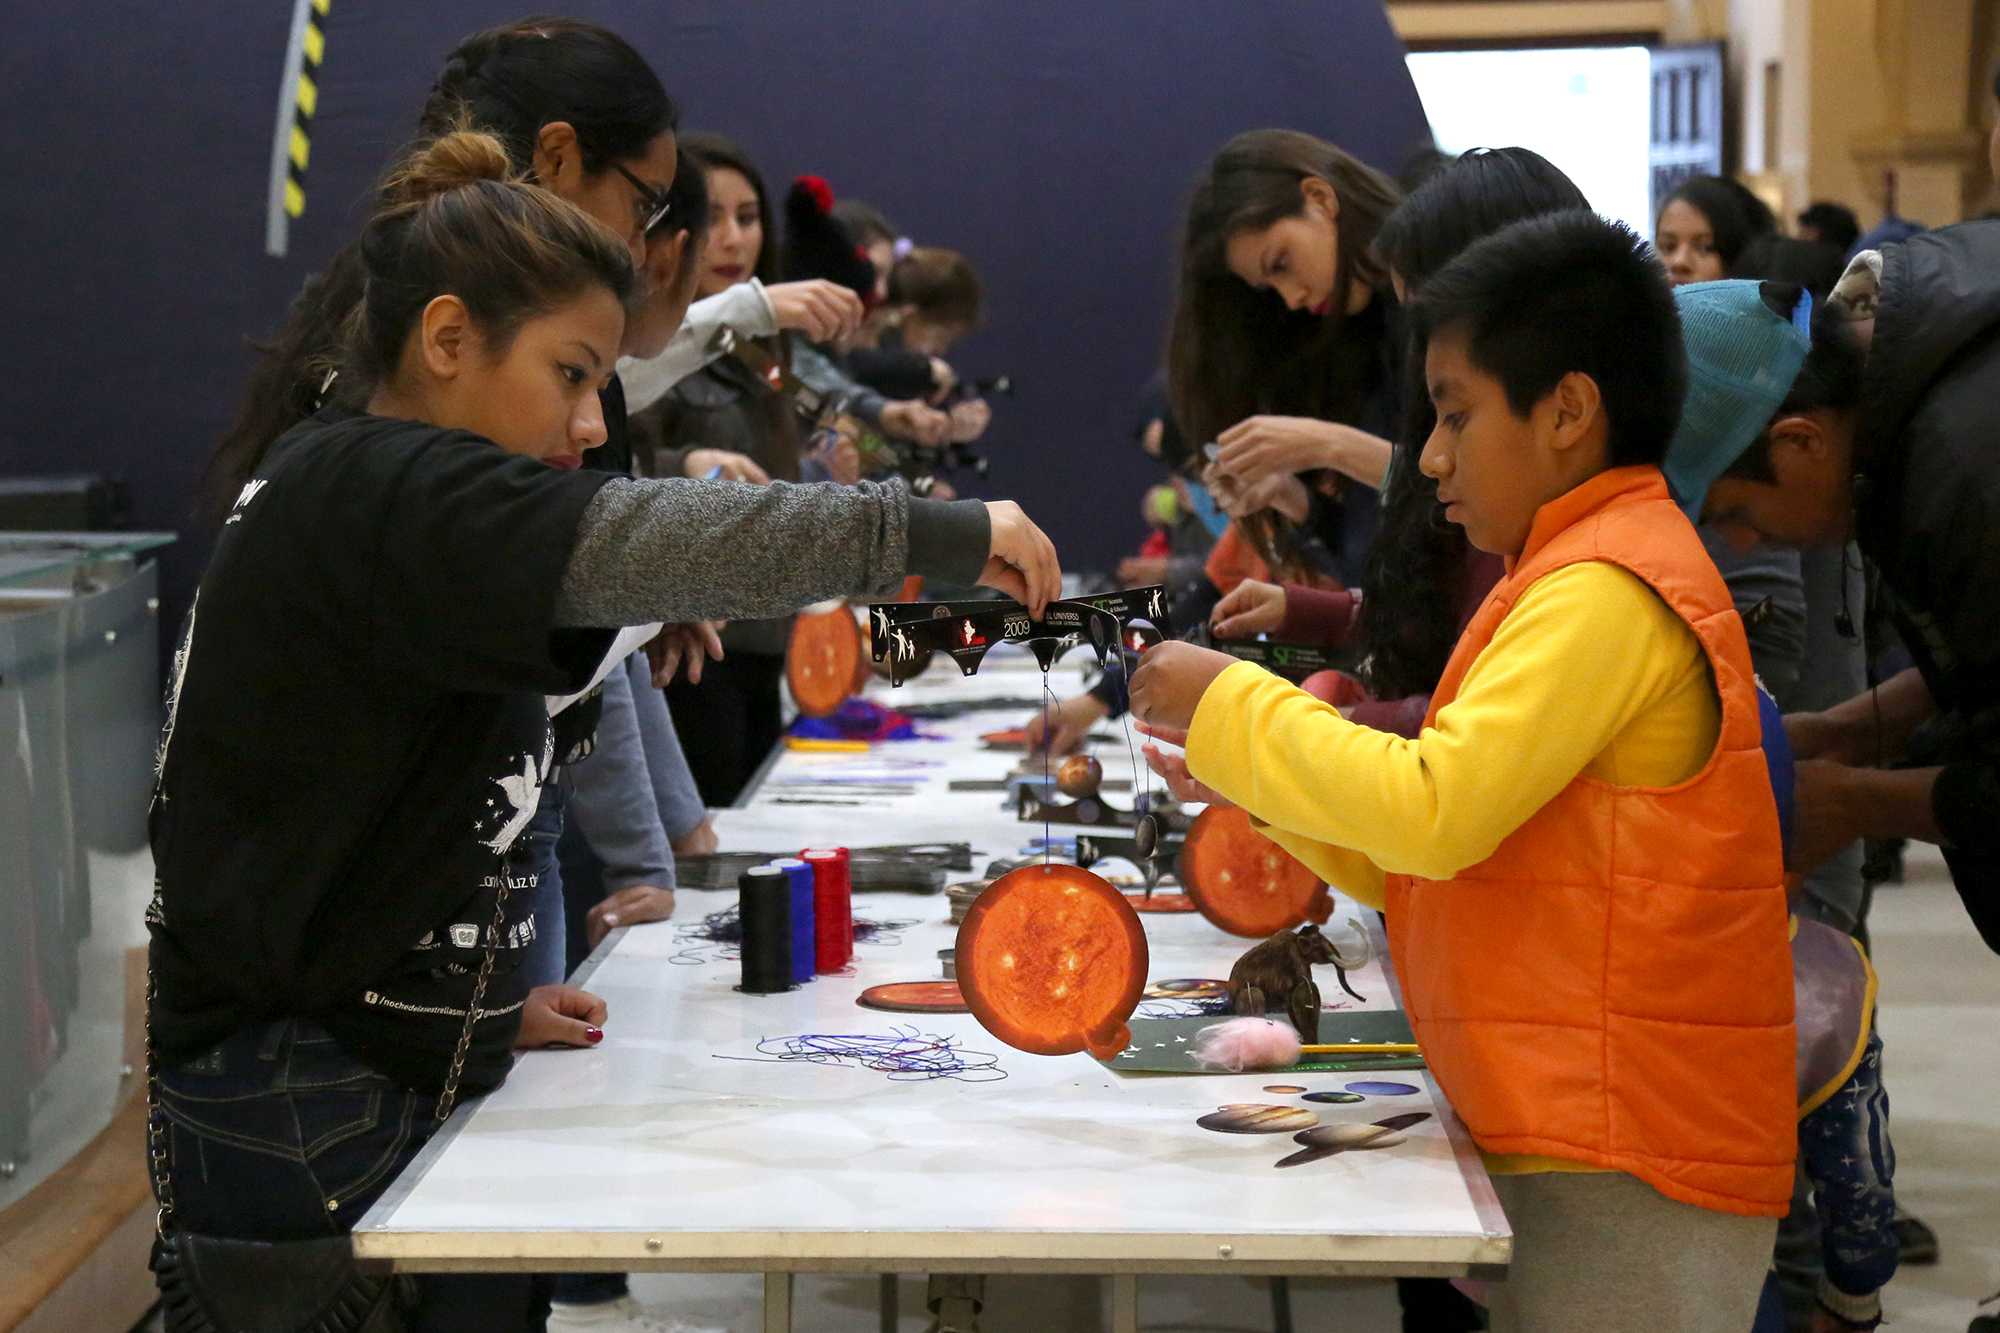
(1053, 143)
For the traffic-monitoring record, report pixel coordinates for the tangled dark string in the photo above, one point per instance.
(718, 937)
(904, 1054)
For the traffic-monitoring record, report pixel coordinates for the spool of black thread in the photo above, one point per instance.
(765, 906)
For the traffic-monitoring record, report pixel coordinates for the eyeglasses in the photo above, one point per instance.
(655, 204)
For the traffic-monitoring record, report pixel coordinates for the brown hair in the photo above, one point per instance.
(454, 219)
(938, 284)
(1235, 351)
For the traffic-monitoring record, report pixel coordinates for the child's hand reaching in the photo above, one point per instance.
(1171, 680)
(1182, 785)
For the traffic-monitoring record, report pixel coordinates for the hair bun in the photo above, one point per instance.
(449, 162)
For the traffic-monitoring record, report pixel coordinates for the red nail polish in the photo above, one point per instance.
(593, 1035)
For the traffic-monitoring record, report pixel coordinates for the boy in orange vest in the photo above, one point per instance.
(1579, 855)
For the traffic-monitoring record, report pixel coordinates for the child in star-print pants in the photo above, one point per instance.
(1850, 1166)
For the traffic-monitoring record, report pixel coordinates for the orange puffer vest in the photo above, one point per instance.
(1613, 985)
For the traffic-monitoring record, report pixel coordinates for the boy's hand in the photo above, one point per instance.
(1170, 681)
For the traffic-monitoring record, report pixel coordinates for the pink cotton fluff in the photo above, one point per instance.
(1237, 1044)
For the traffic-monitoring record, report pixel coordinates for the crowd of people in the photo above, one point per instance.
(1649, 562)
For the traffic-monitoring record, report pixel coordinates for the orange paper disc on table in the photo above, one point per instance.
(1052, 959)
(1245, 883)
(821, 660)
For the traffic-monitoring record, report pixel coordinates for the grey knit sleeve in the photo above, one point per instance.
(674, 549)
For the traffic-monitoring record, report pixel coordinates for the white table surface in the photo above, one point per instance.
(649, 1152)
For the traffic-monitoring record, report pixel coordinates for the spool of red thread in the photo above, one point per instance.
(833, 906)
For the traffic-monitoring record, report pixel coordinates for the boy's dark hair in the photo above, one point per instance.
(1569, 292)
(1830, 379)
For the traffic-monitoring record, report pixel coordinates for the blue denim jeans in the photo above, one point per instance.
(279, 1134)
(538, 874)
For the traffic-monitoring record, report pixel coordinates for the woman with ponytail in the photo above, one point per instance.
(358, 726)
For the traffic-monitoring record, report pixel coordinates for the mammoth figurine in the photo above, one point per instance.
(1277, 975)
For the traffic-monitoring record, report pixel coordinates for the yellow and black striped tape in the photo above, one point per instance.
(304, 104)
(298, 103)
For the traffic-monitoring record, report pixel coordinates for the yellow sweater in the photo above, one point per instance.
(1590, 674)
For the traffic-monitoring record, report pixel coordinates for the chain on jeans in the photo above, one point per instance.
(449, 1096)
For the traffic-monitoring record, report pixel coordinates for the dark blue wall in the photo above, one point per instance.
(1053, 143)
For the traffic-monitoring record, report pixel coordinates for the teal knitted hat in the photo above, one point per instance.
(1742, 361)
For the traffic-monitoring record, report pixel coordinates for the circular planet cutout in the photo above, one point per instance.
(1080, 775)
(1284, 1087)
(1258, 1119)
(1370, 1088)
(915, 997)
(1187, 988)
(1336, 1098)
(1245, 883)
(1345, 1137)
(1052, 961)
(821, 660)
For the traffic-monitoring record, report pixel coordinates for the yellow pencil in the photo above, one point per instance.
(1362, 1048)
(811, 746)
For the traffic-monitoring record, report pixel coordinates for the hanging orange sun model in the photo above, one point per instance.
(1051, 960)
(1245, 883)
(822, 660)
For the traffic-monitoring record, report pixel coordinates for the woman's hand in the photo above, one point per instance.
(819, 309)
(1281, 491)
(1060, 729)
(1021, 561)
(969, 420)
(634, 905)
(560, 1016)
(1262, 447)
(692, 645)
(1251, 608)
(911, 420)
(727, 464)
(697, 841)
(1172, 677)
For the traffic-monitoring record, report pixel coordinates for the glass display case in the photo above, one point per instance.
(79, 719)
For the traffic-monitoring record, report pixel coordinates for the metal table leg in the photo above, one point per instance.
(890, 1302)
(1124, 1303)
(777, 1303)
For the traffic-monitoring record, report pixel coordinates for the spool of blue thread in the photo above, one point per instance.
(805, 936)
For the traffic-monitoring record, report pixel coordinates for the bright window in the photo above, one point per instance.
(1586, 109)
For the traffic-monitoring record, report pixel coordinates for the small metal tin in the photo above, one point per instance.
(948, 962)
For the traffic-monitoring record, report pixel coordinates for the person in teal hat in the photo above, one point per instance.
(1889, 432)
(1747, 344)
